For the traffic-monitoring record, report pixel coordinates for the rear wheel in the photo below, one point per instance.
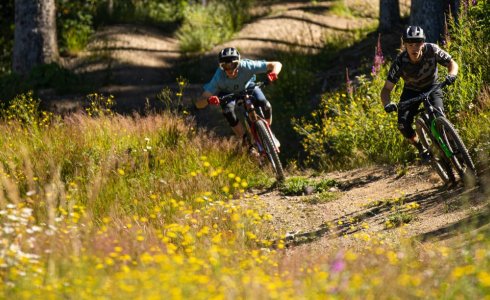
(439, 161)
(461, 159)
(270, 149)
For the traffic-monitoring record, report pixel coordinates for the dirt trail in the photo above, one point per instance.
(140, 62)
(364, 202)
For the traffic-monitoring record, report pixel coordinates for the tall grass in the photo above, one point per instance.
(146, 207)
(204, 27)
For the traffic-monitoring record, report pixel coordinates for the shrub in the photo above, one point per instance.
(24, 109)
(75, 25)
(50, 76)
(467, 43)
(204, 27)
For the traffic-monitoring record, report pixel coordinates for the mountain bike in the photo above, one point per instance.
(258, 131)
(442, 140)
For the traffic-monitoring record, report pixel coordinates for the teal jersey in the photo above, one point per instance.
(247, 69)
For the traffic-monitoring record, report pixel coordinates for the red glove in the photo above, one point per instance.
(272, 76)
(213, 100)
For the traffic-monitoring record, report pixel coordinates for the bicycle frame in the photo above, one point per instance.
(251, 114)
(432, 113)
(439, 139)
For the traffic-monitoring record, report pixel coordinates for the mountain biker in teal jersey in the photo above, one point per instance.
(235, 75)
(417, 65)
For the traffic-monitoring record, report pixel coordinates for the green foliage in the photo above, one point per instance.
(100, 105)
(319, 198)
(325, 185)
(340, 8)
(398, 219)
(350, 130)
(291, 96)
(49, 76)
(75, 24)
(169, 11)
(76, 33)
(24, 110)
(239, 11)
(148, 11)
(295, 186)
(468, 44)
(204, 27)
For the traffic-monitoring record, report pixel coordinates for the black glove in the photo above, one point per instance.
(450, 79)
(391, 107)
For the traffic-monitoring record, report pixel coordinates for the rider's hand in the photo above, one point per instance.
(391, 107)
(450, 79)
(213, 100)
(272, 76)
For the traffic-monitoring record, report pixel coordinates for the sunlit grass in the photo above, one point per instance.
(146, 207)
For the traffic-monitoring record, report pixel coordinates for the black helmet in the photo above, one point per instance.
(414, 34)
(229, 54)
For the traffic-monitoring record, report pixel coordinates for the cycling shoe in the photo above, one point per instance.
(425, 157)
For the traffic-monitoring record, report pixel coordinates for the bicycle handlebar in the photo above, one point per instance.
(242, 94)
(407, 103)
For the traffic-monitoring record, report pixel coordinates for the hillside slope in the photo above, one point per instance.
(138, 61)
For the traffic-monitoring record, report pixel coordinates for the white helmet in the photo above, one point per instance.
(414, 34)
(229, 54)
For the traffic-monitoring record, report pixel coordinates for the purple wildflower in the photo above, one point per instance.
(348, 82)
(338, 264)
(378, 57)
(474, 2)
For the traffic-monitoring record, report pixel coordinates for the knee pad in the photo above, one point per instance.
(230, 116)
(267, 110)
(407, 131)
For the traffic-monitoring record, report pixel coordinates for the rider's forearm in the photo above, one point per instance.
(202, 102)
(452, 68)
(385, 96)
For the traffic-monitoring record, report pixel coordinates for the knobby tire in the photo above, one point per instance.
(439, 161)
(461, 159)
(270, 149)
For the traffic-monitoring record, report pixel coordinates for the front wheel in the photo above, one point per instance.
(439, 161)
(270, 148)
(460, 158)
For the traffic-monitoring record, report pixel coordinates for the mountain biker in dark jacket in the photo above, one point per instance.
(417, 65)
(235, 75)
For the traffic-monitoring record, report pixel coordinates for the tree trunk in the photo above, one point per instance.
(428, 14)
(389, 14)
(35, 40)
(110, 7)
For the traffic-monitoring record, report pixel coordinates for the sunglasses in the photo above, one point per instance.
(229, 66)
(413, 41)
